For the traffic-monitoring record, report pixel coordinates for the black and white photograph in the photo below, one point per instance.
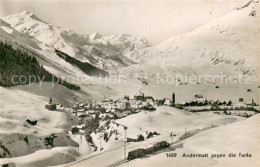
(129, 83)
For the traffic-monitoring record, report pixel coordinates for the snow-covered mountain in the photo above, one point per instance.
(105, 52)
(123, 43)
(230, 41)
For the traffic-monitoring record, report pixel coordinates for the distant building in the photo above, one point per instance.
(149, 98)
(80, 111)
(150, 101)
(126, 98)
(167, 102)
(50, 106)
(198, 96)
(252, 103)
(140, 96)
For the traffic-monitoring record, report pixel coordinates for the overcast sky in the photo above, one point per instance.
(153, 20)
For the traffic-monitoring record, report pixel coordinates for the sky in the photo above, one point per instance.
(153, 20)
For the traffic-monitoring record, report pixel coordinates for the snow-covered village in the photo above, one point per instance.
(129, 83)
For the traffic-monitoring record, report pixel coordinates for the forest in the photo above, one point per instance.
(14, 62)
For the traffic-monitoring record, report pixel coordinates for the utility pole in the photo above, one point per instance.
(100, 140)
(81, 138)
(171, 135)
(125, 128)
(125, 140)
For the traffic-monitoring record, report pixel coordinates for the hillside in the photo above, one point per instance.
(164, 121)
(229, 42)
(25, 141)
(84, 66)
(240, 137)
(16, 63)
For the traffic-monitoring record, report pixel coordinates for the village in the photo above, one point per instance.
(112, 109)
(115, 109)
(97, 121)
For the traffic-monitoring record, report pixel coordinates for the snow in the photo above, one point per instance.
(7, 29)
(94, 48)
(95, 36)
(54, 156)
(234, 45)
(164, 87)
(232, 50)
(164, 120)
(168, 119)
(84, 147)
(239, 137)
(16, 106)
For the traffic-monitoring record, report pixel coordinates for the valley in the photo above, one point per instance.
(119, 100)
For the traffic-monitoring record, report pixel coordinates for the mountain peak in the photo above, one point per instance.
(26, 13)
(21, 18)
(95, 36)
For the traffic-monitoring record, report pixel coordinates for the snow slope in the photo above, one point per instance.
(22, 139)
(82, 47)
(169, 119)
(164, 121)
(240, 137)
(42, 158)
(229, 42)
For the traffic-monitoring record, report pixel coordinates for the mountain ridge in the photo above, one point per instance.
(76, 45)
(229, 40)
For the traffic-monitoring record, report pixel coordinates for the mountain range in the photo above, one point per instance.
(228, 44)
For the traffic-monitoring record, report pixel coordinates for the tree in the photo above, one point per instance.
(15, 62)
(140, 138)
(229, 103)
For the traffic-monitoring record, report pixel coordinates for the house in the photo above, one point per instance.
(126, 98)
(80, 111)
(137, 110)
(81, 105)
(120, 105)
(102, 116)
(134, 105)
(252, 103)
(149, 97)
(167, 102)
(119, 114)
(90, 112)
(198, 96)
(149, 107)
(50, 106)
(139, 96)
(127, 113)
(150, 101)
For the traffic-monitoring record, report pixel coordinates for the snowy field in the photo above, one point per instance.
(224, 46)
(240, 137)
(26, 142)
(164, 121)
